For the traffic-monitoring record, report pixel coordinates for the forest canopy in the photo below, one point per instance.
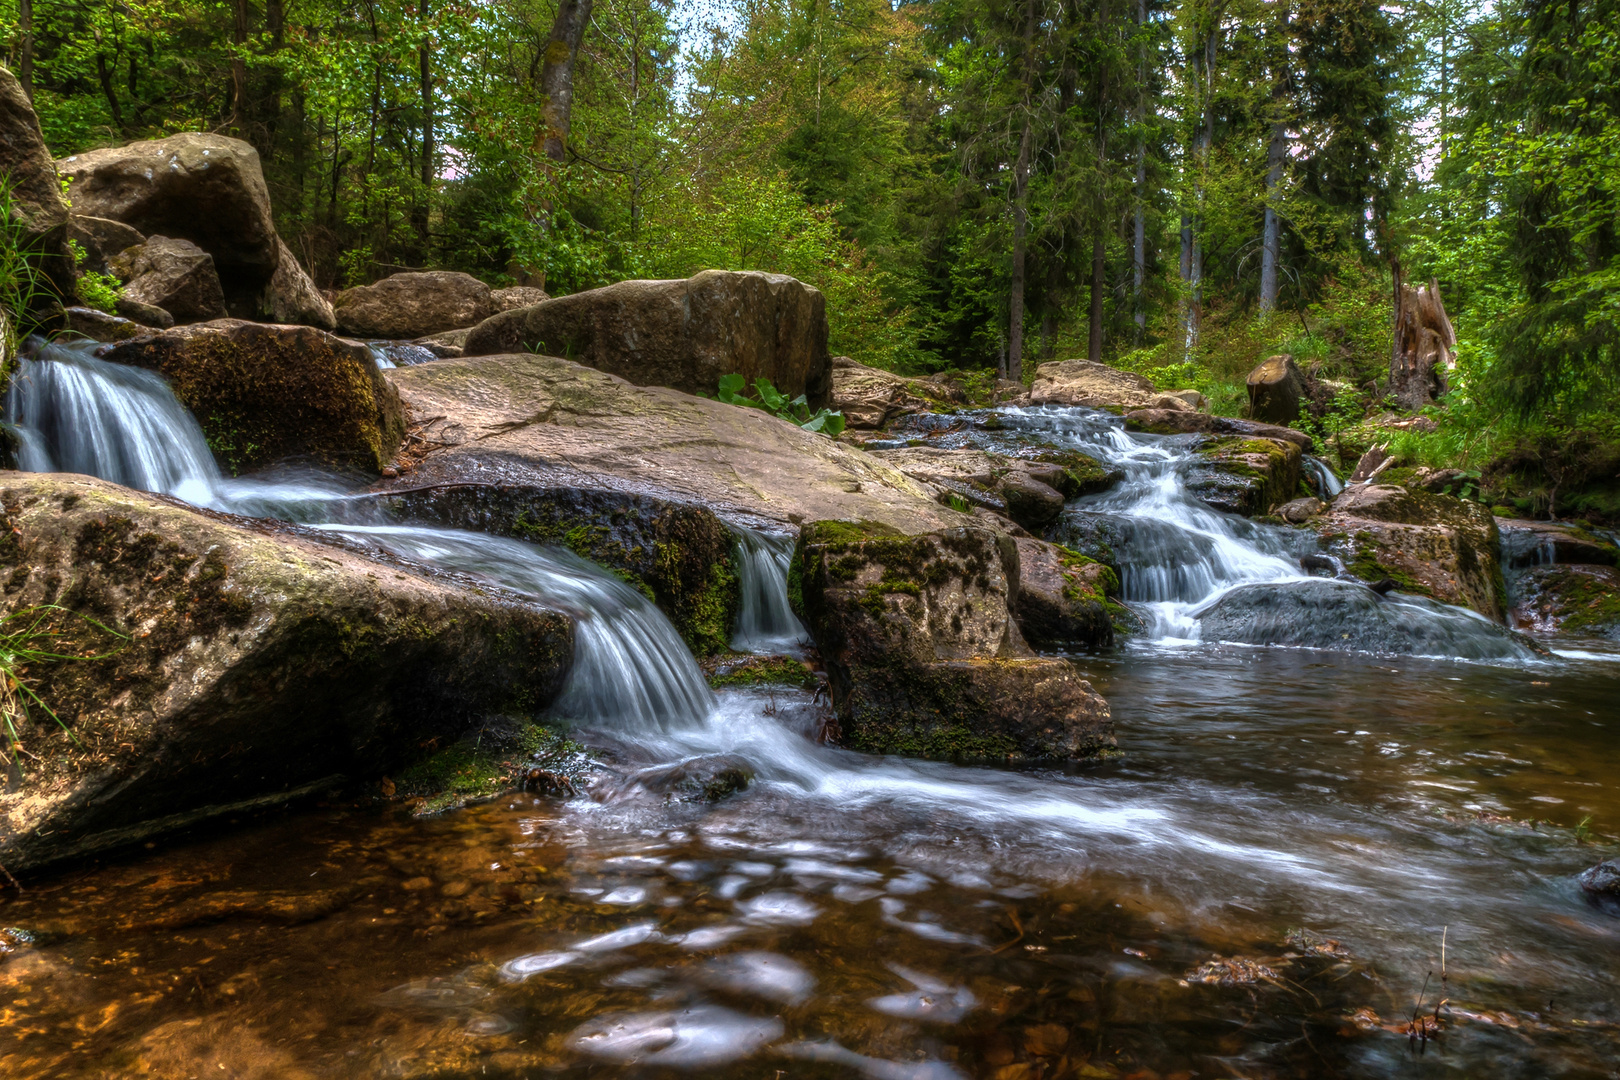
(1179, 188)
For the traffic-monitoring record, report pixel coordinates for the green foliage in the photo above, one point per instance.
(97, 290)
(21, 283)
(776, 403)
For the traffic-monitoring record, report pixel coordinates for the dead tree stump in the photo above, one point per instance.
(1424, 347)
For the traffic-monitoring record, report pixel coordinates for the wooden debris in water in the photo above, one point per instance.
(1231, 971)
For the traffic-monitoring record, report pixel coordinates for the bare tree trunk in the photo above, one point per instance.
(1139, 247)
(1015, 303)
(1422, 345)
(425, 57)
(1099, 286)
(1276, 152)
(239, 36)
(557, 76)
(25, 61)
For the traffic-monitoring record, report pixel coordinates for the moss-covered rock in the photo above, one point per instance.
(250, 665)
(1569, 599)
(1430, 545)
(1244, 475)
(1065, 600)
(676, 554)
(263, 393)
(501, 754)
(1180, 422)
(922, 654)
(727, 672)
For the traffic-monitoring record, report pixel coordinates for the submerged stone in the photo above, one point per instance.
(236, 668)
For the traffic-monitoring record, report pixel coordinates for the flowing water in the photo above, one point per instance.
(1297, 849)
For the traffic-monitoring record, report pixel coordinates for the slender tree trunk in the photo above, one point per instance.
(1099, 268)
(1015, 300)
(425, 210)
(1276, 152)
(1099, 287)
(557, 76)
(1139, 217)
(25, 59)
(239, 36)
(109, 91)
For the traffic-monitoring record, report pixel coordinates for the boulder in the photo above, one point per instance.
(1602, 882)
(1569, 599)
(448, 344)
(1342, 615)
(1168, 422)
(254, 665)
(544, 422)
(99, 326)
(1276, 389)
(1065, 600)
(1031, 502)
(1299, 511)
(1532, 543)
(146, 314)
(175, 275)
(413, 305)
(263, 392)
(101, 238)
(1429, 545)
(518, 296)
(681, 334)
(1097, 386)
(291, 297)
(37, 205)
(1031, 493)
(922, 654)
(871, 397)
(1246, 476)
(676, 553)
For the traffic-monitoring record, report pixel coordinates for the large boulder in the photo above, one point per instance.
(175, 275)
(1064, 600)
(264, 392)
(1534, 543)
(1246, 475)
(676, 553)
(252, 665)
(1182, 422)
(291, 296)
(1030, 492)
(1276, 389)
(517, 296)
(1430, 545)
(871, 397)
(543, 422)
(1098, 386)
(1569, 599)
(101, 239)
(1342, 615)
(681, 334)
(923, 656)
(413, 305)
(210, 190)
(37, 205)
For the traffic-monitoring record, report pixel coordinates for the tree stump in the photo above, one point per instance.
(1276, 388)
(1425, 345)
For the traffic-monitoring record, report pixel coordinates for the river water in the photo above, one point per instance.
(1298, 850)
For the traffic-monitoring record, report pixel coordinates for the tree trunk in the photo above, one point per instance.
(25, 59)
(557, 76)
(1139, 222)
(1276, 152)
(1423, 344)
(1015, 302)
(425, 51)
(1098, 288)
(239, 36)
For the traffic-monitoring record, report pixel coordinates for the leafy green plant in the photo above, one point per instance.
(21, 283)
(28, 637)
(773, 401)
(100, 291)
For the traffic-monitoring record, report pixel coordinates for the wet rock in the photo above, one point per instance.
(264, 393)
(1341, 615)
(676, 553)
(1166, 422)
(99, 326)
(1030, 502)
(37, 205)
(101, 239)
(208, 190)
(1075, 474)
(1064, 600)
(708, 779)
(1299, 511)
(1276, 388)
(1569, 599)
(518, 296)
(1246, 476)
(256, 666)
(1602, 882)
(1534, 543)
(922, 653)
(148, 315)
(543, 422)
(1429, 545)
(1097, 386)
(681, 334)
(1193, 398)
(414, 305)
(446, 345)
(1029, 491)
(175, 275)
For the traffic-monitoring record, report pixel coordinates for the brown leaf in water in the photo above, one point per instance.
(1045, 1040)
(1236, 971)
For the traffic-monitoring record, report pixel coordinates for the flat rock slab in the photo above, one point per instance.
(1098, 386)
(253, 664)
(542, 421)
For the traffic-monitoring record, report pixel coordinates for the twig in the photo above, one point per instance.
(14, 882)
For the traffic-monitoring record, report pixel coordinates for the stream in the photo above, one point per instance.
(1298, 851)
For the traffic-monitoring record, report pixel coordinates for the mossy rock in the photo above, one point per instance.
(1570, 599)
(730, 672)
(499, 755)
(677, 555)
(1243, 475)
(264, 393)
(1065, 600)
(1082, 474)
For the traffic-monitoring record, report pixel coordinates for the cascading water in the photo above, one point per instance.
(765, 622)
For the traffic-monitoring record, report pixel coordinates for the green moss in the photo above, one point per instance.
(761, 671)
(1082, 474)
(946, 742)
(1589, 605)
(483, 765)
(847, 532)
(707, 616)
(1365, 565)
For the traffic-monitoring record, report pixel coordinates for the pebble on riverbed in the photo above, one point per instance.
(1602, 883)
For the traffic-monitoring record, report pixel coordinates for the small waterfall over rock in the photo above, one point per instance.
(765, 622)
(1327, 485)
(74, 413)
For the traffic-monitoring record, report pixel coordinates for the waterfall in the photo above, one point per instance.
(74, 413)
(1327, 485)
(765, 622)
